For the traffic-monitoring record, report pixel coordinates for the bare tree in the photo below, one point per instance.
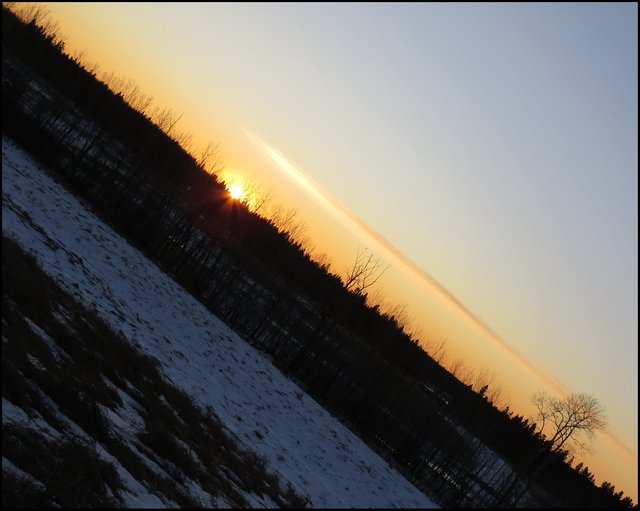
(287, 222)
(297, 233)
(365, 271)
(398, 312)
(79, 56)
(416, 333)
(134, 96)
(466, 375)
(209, 158)
(259, 200)
(456, 367)
(377, 298)
(93, 68)
(33, 12)
(166, 119)
(322, 259)
(437, 352)
(283, 220)
(572, 421)
(496, 395)
(185, 140)
(463, 372)
(483, 380)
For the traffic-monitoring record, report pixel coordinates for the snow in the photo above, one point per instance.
(36, 363)
(134, 495)
(137, 495)
(198, 352)
(57, 352)
(9, 467)
(12, 414)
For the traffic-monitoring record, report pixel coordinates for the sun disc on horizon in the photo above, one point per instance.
(236, 191)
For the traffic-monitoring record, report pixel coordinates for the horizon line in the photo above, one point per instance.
(422, 277)
(402, 261)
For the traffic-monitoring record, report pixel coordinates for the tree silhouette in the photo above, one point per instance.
(437, 351)
(209, 158)
(572, 421)
(365, 271)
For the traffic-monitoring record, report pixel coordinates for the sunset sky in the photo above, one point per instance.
(487, 151)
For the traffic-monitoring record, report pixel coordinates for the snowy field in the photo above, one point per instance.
(198, 352)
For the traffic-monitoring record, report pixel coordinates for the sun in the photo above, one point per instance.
(236, 191)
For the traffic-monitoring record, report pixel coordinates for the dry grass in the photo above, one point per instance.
(183, 439)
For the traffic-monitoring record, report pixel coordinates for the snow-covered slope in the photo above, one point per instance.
(197, 351)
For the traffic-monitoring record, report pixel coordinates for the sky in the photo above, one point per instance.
(487, 151)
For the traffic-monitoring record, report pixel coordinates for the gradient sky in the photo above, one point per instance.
(488, 151)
